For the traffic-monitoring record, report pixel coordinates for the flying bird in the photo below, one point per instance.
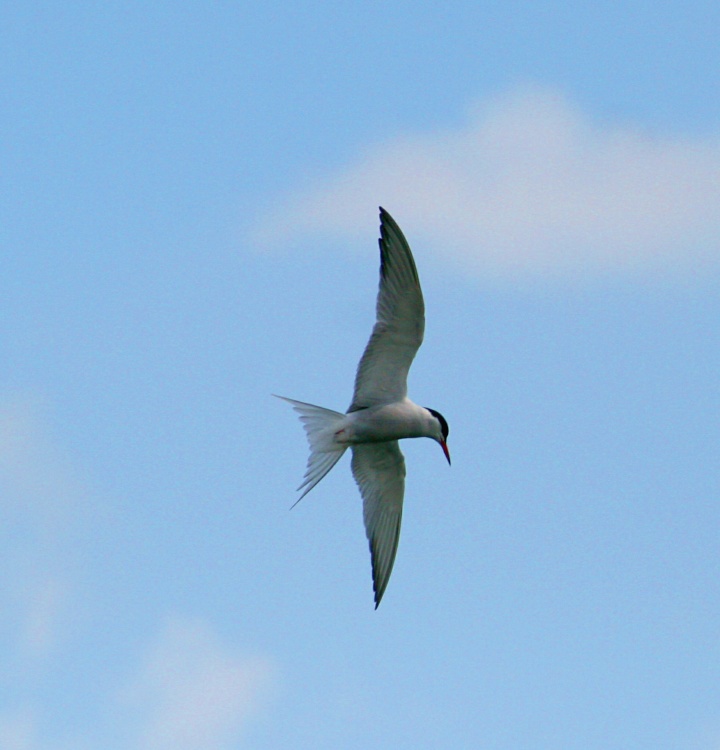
(380, 413)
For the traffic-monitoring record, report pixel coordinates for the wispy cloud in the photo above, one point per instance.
(194, 692)
(529, 185)
(189, 691)
(41, 494)
(18, 730)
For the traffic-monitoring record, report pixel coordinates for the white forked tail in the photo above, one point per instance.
(320, 427)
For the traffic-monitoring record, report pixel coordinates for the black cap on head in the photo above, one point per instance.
(443, 424)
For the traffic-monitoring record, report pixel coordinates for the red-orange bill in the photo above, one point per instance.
(446, 451)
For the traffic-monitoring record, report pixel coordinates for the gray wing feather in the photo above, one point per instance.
(379, 470)
(397, 335)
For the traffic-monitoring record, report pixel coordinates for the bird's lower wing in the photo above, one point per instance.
(379, 470)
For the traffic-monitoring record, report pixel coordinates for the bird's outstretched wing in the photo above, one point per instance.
(379, 470)
(382, 373)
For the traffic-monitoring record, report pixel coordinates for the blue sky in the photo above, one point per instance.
(189, 224)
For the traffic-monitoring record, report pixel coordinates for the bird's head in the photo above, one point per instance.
(440, 431)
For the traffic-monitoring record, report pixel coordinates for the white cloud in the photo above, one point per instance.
(195, 693)
(41, 495)
(43, 501)
(190, 690)
(528, 186)
(17, 730)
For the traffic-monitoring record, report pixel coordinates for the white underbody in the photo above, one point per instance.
(378, 424)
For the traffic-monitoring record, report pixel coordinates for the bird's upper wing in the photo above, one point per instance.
(382, 373)
(379, 470)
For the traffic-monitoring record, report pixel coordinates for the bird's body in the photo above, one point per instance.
(380, 413)
(378, 424)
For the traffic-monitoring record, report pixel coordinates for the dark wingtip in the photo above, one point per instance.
(387, 220)
(378, 596)
(377, 591)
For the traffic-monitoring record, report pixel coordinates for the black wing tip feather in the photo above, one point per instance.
(386, 218)
(390, 230)
(381, 583)
(378, 591)
(388, 225)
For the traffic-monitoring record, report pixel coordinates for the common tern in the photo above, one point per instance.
(380, 413)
